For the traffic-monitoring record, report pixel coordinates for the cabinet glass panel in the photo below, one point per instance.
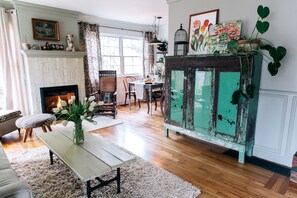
(177, 96)
(202, 100)
(226, 111)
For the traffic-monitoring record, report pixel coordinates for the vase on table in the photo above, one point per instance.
(78, 133)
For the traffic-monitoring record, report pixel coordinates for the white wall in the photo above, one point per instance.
(277, 106)
(283, 29)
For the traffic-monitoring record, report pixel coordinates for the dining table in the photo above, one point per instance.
(146, 86)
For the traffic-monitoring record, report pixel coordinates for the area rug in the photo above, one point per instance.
(102, 122)
(138, 179)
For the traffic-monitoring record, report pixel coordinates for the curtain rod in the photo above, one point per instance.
(121, 28)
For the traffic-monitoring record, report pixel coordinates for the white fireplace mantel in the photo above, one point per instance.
(52, 54)
(51, 68)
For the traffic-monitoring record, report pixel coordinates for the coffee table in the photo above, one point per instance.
(89, 160)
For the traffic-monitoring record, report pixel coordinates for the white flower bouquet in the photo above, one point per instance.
(76, 112)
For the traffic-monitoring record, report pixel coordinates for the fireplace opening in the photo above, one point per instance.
(51, 96)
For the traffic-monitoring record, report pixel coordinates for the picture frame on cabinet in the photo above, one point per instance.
(201, 27)
(45, 29)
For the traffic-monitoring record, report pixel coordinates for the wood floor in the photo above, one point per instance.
(202, 164)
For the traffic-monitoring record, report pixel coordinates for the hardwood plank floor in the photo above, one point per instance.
(202, 164)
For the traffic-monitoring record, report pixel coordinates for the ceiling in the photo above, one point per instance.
(133, 11)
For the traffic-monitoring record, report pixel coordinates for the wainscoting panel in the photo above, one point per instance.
(276, 127)
(292, 136)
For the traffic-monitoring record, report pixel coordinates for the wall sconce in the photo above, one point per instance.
(156, 41)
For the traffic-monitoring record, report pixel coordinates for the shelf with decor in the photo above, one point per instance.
(52, 53)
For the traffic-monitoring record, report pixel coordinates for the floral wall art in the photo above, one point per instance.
(223, 33)
(201, 27)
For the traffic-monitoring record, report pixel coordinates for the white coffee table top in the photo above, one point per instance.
(91, 159)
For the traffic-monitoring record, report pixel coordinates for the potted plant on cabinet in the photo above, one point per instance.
(245, 47)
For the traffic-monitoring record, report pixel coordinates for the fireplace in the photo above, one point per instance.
(51, 96)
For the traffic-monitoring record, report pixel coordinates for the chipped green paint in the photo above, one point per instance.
(177, 96)
(227, 112)
(202, 100)
(204, 85)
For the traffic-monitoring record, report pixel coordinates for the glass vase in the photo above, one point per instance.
(78, 133)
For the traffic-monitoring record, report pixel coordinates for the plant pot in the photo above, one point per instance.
(249, 45)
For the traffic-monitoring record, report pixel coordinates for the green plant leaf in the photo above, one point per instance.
(263, 12)
(265, 47)
(250, 90)
(273, 52)
(262, 27)
(281, 53)
(232, 44)
(216, 53)
(238, 97)
(273, 68)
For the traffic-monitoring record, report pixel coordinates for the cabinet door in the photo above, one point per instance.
(177, 96)
(203, 100)
(227, 112)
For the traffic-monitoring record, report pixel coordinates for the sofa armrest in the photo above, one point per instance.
(19, 189)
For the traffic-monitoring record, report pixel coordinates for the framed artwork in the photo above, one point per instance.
(223, 33)
(201, 26)
(45, 30)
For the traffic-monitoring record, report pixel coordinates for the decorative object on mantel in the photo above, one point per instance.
(26, 46)
(35, 47)
(200, 28)
(76, 112)
(156, 23)
(70, 46)
(181, 41)
(45, 30)
(49, 46)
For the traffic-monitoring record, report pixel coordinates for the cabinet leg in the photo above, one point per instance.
(166, 132)
(250, 152)
(241, 157)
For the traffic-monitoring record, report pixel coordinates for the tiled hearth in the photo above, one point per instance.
(52, 68)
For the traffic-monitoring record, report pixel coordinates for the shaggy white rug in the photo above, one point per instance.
(138, 179)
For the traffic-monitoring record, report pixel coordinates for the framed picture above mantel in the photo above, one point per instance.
(45, 29)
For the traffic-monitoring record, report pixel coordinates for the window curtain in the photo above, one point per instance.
(148, 55)
(11, 65)
(89, 39)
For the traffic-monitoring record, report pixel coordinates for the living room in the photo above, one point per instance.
(198, 163)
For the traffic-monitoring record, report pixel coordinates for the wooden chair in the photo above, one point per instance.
(157, 95)
(126, 81)
(107, 93)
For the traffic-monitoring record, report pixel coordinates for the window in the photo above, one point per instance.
(124, 54)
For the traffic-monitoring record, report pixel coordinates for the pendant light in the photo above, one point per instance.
(156, 41)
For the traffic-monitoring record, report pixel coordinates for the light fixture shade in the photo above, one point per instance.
(155, 41)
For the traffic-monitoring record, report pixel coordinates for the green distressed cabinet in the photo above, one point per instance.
(198, 94)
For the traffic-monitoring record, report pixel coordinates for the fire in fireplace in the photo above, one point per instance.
(51, 96)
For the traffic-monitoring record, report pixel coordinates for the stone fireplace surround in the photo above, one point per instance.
(51, 68)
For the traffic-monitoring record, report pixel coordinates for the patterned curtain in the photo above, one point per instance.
(148, 56)
(89, 39)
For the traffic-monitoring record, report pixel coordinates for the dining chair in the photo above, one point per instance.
(157, 95)
(126, 81)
